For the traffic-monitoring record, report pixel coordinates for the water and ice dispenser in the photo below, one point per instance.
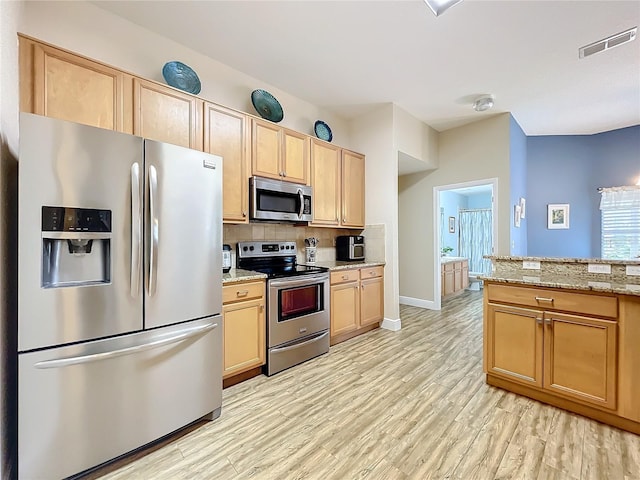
(76, 246)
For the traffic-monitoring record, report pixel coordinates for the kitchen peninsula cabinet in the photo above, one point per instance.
(357, 301)
(279, 153)
(565, 347)
(166, 114)
(226, 133)
(244, 327)
(58, 84)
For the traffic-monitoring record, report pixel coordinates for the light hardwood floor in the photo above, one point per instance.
(391, 405)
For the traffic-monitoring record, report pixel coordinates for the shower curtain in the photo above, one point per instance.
(475, 238)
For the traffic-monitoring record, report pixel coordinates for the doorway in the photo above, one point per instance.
(465, 227)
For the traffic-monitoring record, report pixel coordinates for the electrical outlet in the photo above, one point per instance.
(633, 270)
(529, 265)
(599, 268)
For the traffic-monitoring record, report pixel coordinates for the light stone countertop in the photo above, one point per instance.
(563, 260)
(338, 265)
(239, 275)
(536, 279)
(446, 259)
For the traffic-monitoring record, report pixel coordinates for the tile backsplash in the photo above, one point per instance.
(326, 250)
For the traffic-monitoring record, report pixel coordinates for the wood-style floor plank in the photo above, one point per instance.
(403, 405)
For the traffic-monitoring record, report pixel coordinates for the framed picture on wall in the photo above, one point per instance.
(557, 215)
(452, 224)
(517, 215)
(523, 207)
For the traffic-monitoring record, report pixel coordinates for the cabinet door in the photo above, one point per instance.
(448, 285)
(244, 336)
(345, 308)
(166, 115)
(371, 301)
(65, 86)
(514, 344)
(225, 134)
(295, 159)
(580, 358)
(352, 189)
(266, 148)
(457, 276)
(465, 274)
(325, 181)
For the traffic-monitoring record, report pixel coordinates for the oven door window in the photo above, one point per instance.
(300, 301)
(270, 201)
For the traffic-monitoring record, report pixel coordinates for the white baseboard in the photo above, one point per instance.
(393, 325)
(417, 302)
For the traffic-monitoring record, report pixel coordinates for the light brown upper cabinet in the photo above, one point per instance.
(166, 114)
(279, 153)
(226, 134)
(352, 189)
(55, 83)
(337, 178)
(325, 181)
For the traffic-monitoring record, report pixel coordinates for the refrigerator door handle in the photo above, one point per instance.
(94, 357)
(153, 219)
(136, 230)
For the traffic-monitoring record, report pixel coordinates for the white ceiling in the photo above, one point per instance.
(348, 56)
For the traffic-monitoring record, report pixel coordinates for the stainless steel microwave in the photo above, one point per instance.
(276, 200)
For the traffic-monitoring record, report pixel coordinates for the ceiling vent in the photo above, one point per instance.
(608, 43)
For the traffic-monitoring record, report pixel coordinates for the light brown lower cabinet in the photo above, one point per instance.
(357, 301)
(569, 359)
(244, 327)
(455, 277)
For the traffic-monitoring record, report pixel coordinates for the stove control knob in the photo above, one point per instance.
(244, 249)
(251, 248)
(281, 247)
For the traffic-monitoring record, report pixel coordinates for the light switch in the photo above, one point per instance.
(599, 268)
(633, 270)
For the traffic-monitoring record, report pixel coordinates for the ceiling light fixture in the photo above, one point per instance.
(438, 7)
(483, 103)
(608, 43)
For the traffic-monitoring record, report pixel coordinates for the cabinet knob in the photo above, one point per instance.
(262, 308)
(284, 174)
(372, 273)
(544, 299)
(244, 213)
(345, 277)
(242, 293)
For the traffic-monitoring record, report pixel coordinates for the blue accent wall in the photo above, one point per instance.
(518, 180)
(568, 169)
(479, 200)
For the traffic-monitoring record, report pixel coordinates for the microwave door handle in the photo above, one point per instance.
(301, 197)
(153, 220)
(136, 230)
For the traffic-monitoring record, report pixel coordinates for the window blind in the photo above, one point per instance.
(620, 213)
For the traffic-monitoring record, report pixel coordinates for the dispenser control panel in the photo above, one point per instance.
(65, 219)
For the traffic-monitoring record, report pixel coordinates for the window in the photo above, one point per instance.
(620, 208)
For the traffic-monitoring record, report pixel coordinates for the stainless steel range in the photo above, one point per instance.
(297, 303)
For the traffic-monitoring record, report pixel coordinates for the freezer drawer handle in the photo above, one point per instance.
(298, 345)
(153, 249)
(136, 230)
(94, 357)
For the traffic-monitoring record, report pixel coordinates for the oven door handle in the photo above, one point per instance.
(301, 344)
(306, 279)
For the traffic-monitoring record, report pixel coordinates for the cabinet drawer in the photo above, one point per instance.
(598, 305)
(242, 291)
(345, 276)
(448, 267)
(371, 272)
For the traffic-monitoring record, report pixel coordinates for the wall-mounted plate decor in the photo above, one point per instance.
(181, 76)
(323, 132)
(266, 105)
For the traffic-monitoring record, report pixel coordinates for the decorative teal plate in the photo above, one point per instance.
(181, 76)
(323, 132)
(266, 105)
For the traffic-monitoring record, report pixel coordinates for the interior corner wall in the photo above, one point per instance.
(476, 151)
(415, 138)
(73, 26)
(10, 17)
(373, 133)
(518, 183)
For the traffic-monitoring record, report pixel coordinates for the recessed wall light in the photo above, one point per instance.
(483, 103)
(438, 7)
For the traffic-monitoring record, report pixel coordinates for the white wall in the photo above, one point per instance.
(373, 133)
(10, 18)
(472, 152)
(84, 28)
(415, 138)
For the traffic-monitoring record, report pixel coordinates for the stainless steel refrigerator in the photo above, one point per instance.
(119, 293)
